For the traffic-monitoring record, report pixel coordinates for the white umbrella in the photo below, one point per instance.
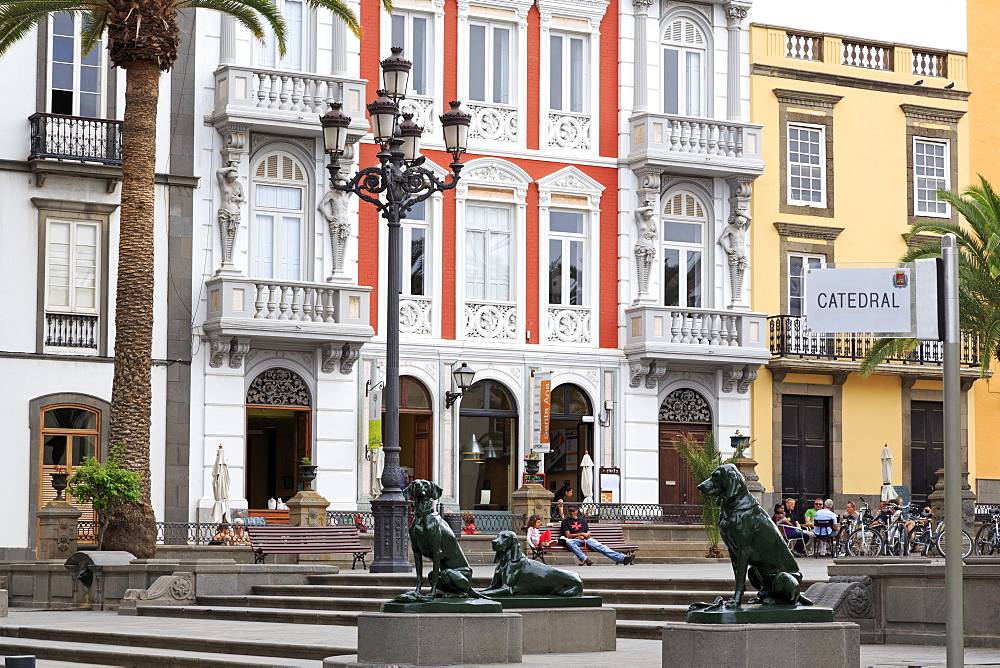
(220, 487)
(378, 464)
(888, 493)
(587, 478)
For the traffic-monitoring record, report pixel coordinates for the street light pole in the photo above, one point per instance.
(394, 186)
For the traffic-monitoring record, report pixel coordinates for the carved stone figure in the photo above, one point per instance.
(232, 197)
(645, 248)
(431, 537)
(334, 208)
(755, 544)
(516, 575)
(734, 241)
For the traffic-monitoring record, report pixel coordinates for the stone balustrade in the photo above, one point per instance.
(713, 147)
(415, 315)
(695, 328)
(494, 122)
(491, 320)
(569, 131)
(568, 324)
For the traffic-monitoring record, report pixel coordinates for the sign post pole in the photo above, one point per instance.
(955, 627)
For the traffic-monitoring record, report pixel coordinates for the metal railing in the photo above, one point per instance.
(71, 330)
(490, 522)
(788, 336)
(86, 531)
(644, 513)
(185, 533)
(75, 138)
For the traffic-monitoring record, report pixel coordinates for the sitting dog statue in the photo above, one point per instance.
(516, 575)
(431, 537)
(756, 547)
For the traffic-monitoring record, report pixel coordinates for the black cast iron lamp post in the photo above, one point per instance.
(394, 186)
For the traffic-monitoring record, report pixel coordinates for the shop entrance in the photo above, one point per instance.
(570, 436)
(487, 436)
(278, 436)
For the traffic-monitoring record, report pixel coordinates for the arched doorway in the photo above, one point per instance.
(687, 412)
(570, 437)
(279, 435)
(70, 433)
(415, 415)
(487, 436)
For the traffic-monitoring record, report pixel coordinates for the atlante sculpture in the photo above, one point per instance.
(516, 575)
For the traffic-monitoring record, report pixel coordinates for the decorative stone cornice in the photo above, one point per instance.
(801, 98)
(917, 113)
(804, 231)
(573, 9)
(918, 240)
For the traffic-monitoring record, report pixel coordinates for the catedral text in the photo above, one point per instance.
(856, 300)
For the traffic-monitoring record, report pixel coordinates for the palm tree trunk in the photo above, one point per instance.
(132, 527)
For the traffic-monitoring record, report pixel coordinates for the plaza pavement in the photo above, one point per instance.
(630, 652)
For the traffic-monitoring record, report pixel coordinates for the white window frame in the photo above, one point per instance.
(566, 97)
(407, 16)
(73, 307)
(263, 53)
(305, 226)
(566, 240)
(98, 52)
(682, 74)
(683, 248)
(472, 227)
(806, 259)
(821, 204)
(408, 226)
(490, 65)
(943, 209)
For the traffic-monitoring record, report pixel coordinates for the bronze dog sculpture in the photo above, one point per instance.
(516, 575)
(756, 547)
(431, 537)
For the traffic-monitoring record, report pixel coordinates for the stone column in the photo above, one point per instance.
(641, 67)
(936, 501)
(532, 499)
(747, 466)
(339, 49)
(58, 530)
(307, 509)
(227, 40)
(735, 13)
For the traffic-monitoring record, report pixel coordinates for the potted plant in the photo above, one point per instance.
(59, 482)
(105, 486)
(307, 471)
(531, 462)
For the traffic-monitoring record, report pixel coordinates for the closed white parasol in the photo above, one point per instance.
(378, 465)
(888, 493)
(220, 488)
(587, 478)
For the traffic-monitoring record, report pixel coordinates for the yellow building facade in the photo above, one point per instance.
(857, 137)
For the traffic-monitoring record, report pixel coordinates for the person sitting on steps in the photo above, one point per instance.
(575, 532)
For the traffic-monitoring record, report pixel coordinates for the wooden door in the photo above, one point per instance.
(422, 447)
(926, 447)
(676, 483)
(805, 447)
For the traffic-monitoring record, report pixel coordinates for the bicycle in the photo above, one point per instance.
(863, 540)
(988, 536)
(925, 536)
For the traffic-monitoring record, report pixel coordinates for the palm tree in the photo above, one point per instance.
(701, 460)
(978, 241)
(142, 39)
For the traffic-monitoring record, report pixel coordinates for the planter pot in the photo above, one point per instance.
(308, 474)
(454, 521)
(531, 465)
(59, 483)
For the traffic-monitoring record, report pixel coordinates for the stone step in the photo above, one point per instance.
(366, 604)
(140, 657)
(240, 614)
(651, 613)
(178, 640)
(657, 597)
(336, 591)
(592, 579)
(642, 630)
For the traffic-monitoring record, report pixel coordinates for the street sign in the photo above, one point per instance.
(869, 300)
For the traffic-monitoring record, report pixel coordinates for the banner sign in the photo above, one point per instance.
(544, 411)
(856, 300)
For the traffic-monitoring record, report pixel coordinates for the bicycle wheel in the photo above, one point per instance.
(966, 543)
(864, 542)
(986, 539)
(920, 542)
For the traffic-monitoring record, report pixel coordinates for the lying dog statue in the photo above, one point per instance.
(431, 537)
(516, 575)
(756, 547)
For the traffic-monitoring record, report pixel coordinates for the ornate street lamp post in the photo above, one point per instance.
(394, 186)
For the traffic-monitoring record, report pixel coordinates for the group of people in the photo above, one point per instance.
(574, 533)
(235, 534)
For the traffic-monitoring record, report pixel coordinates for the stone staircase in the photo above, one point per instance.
(642, 604)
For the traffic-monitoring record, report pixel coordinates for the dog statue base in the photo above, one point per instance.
(717, 613)
(520, 602)
(445, 605)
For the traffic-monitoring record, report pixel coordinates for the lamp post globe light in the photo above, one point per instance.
(394, 186)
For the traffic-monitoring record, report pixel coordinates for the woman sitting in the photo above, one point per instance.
(789, 529)
(537, 537)
(469, 520)
(240, 535)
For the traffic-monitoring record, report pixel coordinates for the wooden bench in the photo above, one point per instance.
(270, 516)
(609, 535)
(287, 539)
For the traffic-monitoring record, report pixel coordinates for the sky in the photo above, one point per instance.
(928, 23)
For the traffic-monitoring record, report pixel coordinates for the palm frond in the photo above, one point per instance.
(345, 13)
(884, 349)
(17, 19)
(92, 29)
(247, 12)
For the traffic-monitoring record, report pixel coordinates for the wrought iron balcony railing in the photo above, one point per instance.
(72, 330)
(788, 336)
(76, 138)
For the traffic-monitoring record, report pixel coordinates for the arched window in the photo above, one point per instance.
(685, 68)
(416, 419)
(684, 221)
(487, 446)
(69, 434)
(278, 239)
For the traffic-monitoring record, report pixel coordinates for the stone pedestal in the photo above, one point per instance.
(57, 530)
(392, 639)
(531, 500)
(307, 509)
(747, 466)
(3, 602)
(936, 501)
(565, 630)
(824, 645)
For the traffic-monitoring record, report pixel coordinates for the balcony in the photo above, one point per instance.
(283, 312)
(696, 146)
(72, 333)
(415, 315)
(796, 348)
(75, 146)
(569, 131)
(568, 325)
(701, 336)
(494, 123)
(496, 321)
(284, 101)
